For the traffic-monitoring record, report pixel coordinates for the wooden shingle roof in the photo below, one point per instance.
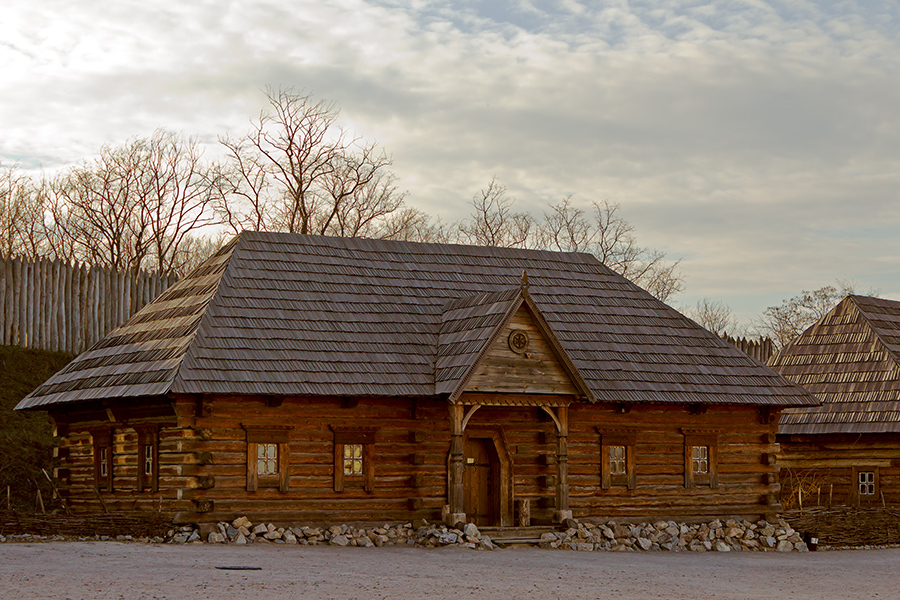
(850, 360)
(283, 314)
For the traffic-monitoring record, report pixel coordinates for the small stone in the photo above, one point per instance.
(471, 530)
(272, 535)
(608, 533)
(240, 539)
(241, 522)
(194, 537)
(231, 532)
(584, 547)
(768, 541)
(289, 537)
(644, 543)
(216, 537)
(260, 529)
(785, 546)
(548, 537)
(340, 540)
(801, 547)
(722, 546)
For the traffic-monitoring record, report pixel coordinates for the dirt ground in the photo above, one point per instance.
(122, 571)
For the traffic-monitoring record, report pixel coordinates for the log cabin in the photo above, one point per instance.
(321, 379)
(847, 450)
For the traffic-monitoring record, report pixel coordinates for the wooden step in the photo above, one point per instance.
(516, 535)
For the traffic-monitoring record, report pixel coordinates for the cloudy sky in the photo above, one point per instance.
(757, 141)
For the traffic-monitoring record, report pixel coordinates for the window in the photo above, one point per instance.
(268, 457)
(148, 457)
(148, 460)
(701, 454)
(617, 458)
(700, 460)
(354, 457)
(102, 440)
(866, 484)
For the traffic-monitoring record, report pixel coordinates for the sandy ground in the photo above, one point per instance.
(120, 571)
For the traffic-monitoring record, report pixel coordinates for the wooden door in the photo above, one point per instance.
(480, 481)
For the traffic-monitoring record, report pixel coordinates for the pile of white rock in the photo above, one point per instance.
(243, 531)
(715, 536)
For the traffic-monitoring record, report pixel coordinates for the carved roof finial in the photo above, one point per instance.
(524, 279)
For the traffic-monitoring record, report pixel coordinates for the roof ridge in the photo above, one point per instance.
(204, 312)
(870, 326)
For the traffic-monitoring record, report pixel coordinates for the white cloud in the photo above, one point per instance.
(755, 139)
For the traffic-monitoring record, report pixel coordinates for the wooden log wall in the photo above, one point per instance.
(60, 307)
(747, 471)
(410, 452)
(75, 453)
(203, 461)
(822, 466)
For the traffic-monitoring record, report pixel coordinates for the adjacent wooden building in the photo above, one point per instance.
(847, 449)
(303, 378)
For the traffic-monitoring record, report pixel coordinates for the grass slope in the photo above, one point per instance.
(26, 438)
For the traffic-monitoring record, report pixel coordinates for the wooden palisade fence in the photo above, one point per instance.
(761, 349)
(51, 305)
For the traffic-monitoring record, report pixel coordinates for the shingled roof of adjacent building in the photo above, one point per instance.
(850, 360)
(284, 314)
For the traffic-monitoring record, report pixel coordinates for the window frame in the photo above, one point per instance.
(102, 439)
(272, 434)
(361, 436)
(148, 440)
(866, 498)
(617, 437)
(701, 437)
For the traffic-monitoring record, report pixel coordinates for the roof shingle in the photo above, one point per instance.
(307, 315)
(850, 360)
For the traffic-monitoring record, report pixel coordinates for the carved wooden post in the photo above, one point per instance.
(456, 491)
(562, 466)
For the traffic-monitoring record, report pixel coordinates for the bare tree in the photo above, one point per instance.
(783, 323)
(359, 202)
(22, 226)
(715, 316)
(94, 204)
(298, 171)
(493, 222)
(179, 190)
(609, 237)
(412, 225)
(134, 206)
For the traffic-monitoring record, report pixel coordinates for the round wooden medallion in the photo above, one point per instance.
(518, 341)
